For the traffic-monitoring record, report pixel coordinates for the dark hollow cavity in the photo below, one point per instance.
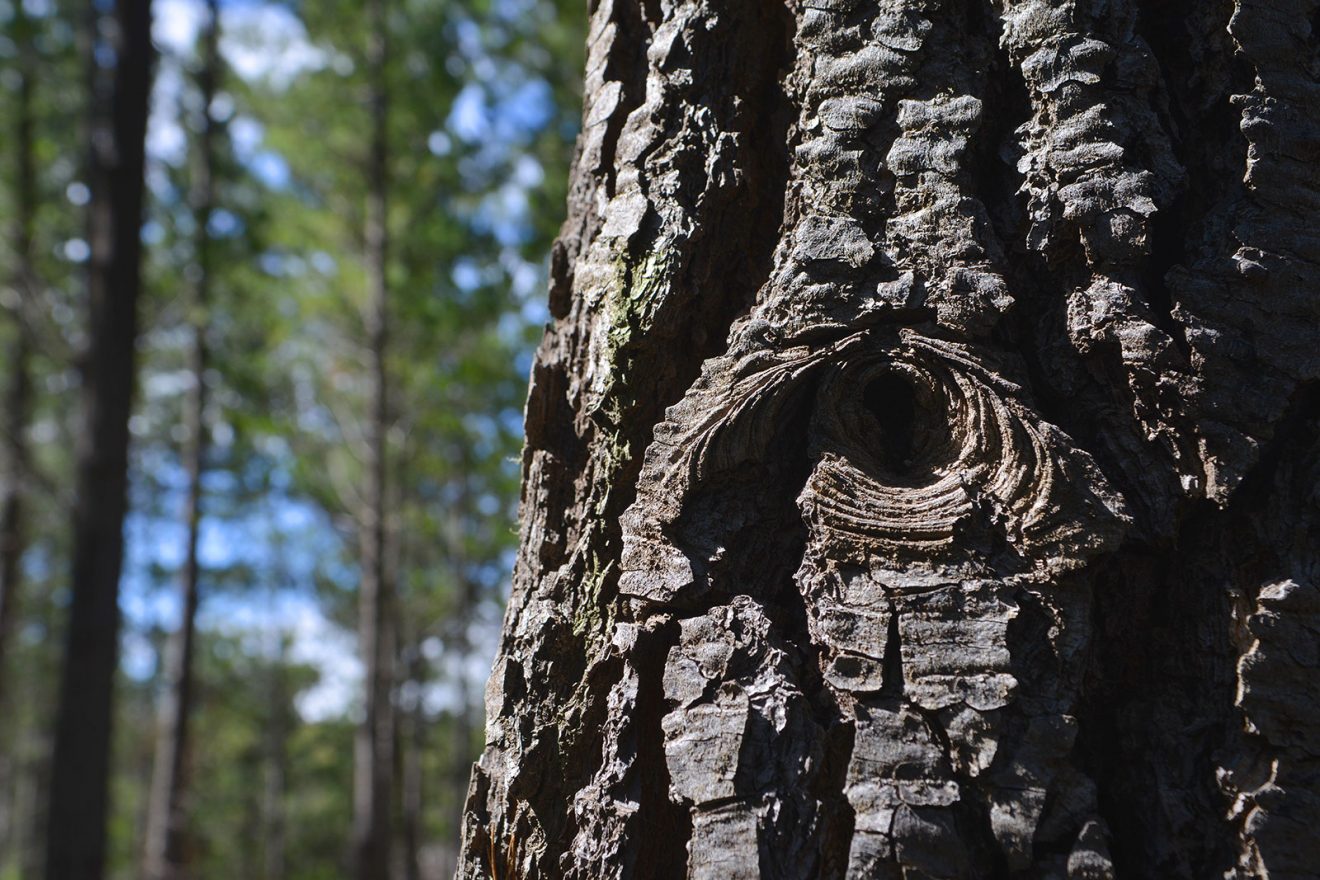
(893, 402)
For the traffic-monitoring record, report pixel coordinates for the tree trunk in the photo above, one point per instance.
(35, 801)
(166, 813)
(14, 422)
(276, 745)
(413, 742)
(459, 648)
(75, 841)
(18, 393)
(921, 464)
(374, 747)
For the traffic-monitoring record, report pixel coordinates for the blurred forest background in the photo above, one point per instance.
(347, 212)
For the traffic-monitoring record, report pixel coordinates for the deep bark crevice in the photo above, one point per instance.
(1036, 663)
(837, 816)
(990, 166)
(627, 66)
(1201, 123)
(1167, 250)
(892, 663)
(1154, 706)
(666, 826)
(973, 808)
(1294, 428)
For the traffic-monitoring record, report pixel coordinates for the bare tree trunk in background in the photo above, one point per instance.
(374, 747)
(413, 741)
(36, 802)
(458, 642)
(167, 816)
(457, 774)
(76, 829)
(921, 466)
(403, 669)
(18, 394)
(249, 766)
(274, 828)
(14, 421)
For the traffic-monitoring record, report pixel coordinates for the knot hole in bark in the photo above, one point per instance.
(892, 401)
(908, 424)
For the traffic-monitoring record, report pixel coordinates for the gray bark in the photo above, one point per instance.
(921, 464)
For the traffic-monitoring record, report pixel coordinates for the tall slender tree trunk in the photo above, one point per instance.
(276, 745)
(76, 826)
(17, 413)
(374, 751)
(35, 801)
(412, 781)
(252, 806)
(15, 419)
(167, 809)
(458, 642)
(465, 725)
(921, 466)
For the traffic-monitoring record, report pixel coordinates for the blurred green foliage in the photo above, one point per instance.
(484, 106)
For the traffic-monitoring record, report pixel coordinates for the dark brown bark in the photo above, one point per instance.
(167, 815)
(75, 841)
(374, 747)
(18, 392)
(920, 468)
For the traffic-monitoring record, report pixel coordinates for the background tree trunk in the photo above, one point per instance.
(921, 464)
(166, 814)
(276, 769)
(18, 393)
(75, 841)
(374, 750)
(412, 742)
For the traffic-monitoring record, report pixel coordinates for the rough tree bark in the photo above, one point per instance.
(167, 815)
(373, 772)
(76, 824)
(921, 466)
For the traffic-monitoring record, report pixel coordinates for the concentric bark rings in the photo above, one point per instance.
(913, 442)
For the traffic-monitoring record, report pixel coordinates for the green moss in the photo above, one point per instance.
(588, 617)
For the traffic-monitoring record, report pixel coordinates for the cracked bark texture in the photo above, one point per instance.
(922, 471)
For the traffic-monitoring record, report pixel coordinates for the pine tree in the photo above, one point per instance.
(76, 826)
